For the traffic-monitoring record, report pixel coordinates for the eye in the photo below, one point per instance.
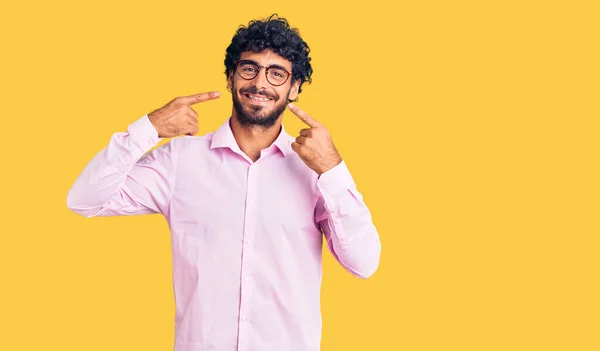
(277, 73)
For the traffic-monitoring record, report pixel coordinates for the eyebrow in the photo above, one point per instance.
(278, 66)
(271, 66)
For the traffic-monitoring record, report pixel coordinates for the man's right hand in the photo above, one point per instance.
(177, 117)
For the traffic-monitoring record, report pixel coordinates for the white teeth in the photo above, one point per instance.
(258, 98)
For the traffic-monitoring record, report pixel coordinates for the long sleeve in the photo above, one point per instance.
(346, 223)
(124, 178)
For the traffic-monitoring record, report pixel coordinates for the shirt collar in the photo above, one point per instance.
(223, 137)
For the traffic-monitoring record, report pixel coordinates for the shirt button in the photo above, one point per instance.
(246, 279)
(247, 241)
(244, 318)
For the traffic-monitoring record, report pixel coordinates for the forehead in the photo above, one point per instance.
(266, 58)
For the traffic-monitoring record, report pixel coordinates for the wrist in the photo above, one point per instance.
(331, 166)
(152, 119)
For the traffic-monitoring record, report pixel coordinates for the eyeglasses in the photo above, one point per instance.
(248, 69)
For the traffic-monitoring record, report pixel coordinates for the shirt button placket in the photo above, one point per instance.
(247, 259)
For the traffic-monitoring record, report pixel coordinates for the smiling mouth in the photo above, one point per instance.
(257, 98)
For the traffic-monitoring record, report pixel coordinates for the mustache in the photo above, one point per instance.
(255, 91)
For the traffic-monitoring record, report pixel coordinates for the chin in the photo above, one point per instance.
(256, 115)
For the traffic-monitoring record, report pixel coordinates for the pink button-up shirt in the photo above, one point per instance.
(246, 236)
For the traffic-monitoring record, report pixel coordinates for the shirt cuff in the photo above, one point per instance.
(143, 133)
(336, 179)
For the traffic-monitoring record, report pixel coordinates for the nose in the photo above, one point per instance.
(260, 81)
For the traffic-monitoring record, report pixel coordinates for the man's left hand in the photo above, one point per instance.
(314, 145)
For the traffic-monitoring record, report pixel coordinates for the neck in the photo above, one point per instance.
(253, 139)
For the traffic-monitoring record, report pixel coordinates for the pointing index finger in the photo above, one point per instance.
(305, 117)
(197, 98)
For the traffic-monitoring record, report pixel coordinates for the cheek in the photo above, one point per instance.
(283, 93)
(237, 83)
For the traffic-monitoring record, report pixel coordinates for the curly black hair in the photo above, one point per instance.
(273, 33)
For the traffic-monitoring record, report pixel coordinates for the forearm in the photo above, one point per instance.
(347, 223)
(103, 177)
(354, 242)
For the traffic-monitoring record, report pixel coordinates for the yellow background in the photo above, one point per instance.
(471, 129)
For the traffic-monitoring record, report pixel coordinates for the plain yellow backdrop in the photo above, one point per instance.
(470, 127)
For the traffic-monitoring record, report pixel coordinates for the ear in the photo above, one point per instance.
(230, 81)
(294, 89)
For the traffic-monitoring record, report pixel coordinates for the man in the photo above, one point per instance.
(247, 205)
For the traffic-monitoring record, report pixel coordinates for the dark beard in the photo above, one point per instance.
(253, 120)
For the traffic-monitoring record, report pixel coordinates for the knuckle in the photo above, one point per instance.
(172, 129)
